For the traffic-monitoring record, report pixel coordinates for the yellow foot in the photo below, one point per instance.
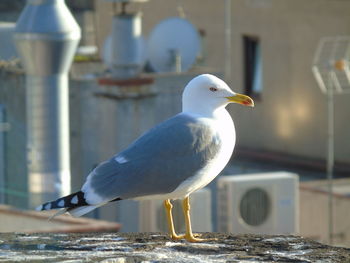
(194, 238)
(189, 238)
(177, 237)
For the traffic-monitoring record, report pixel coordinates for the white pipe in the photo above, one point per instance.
(126, 46)
(330, 154)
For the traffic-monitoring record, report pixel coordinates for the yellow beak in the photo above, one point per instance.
(241, 99)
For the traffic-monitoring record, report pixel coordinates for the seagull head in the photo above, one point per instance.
(206, 93)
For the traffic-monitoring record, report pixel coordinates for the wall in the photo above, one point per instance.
(12, 97)
(314, 211)
(290, 117)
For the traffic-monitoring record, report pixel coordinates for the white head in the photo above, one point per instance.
(206, 93)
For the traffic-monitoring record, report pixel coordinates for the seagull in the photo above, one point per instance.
(170, 161)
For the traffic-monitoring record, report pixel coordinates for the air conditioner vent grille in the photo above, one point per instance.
(255, 206)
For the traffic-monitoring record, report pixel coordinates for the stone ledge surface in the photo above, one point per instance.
(155, 247)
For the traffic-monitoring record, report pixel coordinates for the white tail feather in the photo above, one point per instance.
(59, 212)
(82, 210)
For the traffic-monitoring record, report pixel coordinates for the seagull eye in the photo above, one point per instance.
(213, 89)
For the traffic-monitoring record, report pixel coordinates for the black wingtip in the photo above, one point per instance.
(70, 201)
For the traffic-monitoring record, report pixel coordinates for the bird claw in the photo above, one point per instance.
(177, 237)
(189, 237)
(194, 238)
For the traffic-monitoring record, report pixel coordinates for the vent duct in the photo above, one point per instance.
(46, 37)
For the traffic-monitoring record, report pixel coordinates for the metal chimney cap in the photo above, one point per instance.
(49, 18)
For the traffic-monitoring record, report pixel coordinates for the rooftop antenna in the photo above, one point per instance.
(332, 73)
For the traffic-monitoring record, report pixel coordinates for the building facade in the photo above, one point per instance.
(272, 48)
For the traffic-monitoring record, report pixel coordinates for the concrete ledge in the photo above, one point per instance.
(155, 247)
(30, 222)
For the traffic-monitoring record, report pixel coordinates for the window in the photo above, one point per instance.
(252, 66)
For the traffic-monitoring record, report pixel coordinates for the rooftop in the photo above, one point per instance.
(155, 247)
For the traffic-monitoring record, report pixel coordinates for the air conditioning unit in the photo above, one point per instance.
(262, 203)
(149, 215)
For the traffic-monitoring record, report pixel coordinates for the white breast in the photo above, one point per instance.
(224, 126)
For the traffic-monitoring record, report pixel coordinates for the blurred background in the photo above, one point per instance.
(80, 80)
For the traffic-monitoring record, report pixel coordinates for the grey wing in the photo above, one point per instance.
(158, 162)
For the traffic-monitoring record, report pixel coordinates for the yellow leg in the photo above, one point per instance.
(186, 209)
(168, 207)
